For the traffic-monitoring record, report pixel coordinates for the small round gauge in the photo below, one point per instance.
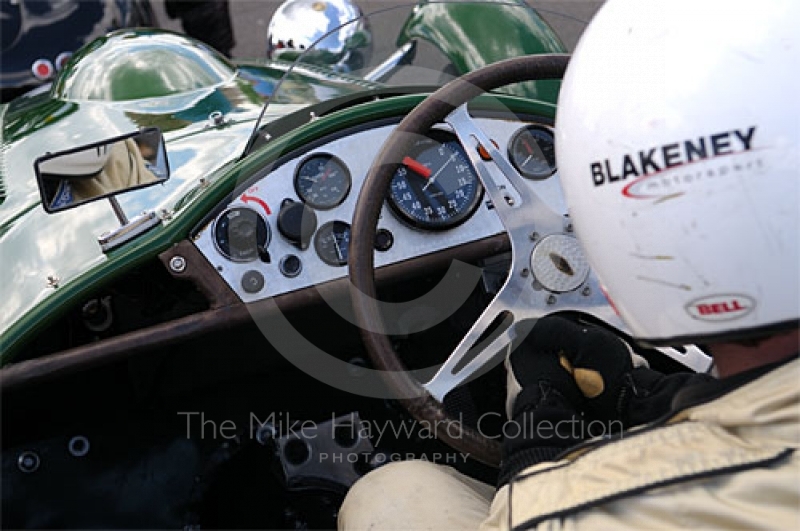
(533, 152)
(241, 234)
(332, 242)
(436, 187)
(322, 181)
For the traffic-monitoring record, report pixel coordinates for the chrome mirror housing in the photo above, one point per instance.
(298, 25)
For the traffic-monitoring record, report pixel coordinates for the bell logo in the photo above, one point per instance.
(721, 307)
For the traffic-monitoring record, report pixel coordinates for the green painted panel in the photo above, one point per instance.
(473, 35)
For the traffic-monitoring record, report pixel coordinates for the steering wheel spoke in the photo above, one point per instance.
(489, 338)
(519, 208)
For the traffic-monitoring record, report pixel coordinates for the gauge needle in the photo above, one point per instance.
(336, 246)
(527, 145)
(426, 199)
(417, 167)
(435, 175)
(529, 149)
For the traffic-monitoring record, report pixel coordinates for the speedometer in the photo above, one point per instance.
(436, 187)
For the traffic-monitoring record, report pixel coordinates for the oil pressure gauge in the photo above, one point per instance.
(242, 235)
(533, 152)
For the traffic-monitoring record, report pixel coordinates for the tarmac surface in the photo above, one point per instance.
(251, 17)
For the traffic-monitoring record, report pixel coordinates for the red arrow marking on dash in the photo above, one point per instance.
(248, 198)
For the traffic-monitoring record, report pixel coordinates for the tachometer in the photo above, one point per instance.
(436, 188)
(322, 181)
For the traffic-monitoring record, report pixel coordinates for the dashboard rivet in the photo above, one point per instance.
(534, 236)
(586, 291)
(177, 264)
(551, 299)
(525, 272)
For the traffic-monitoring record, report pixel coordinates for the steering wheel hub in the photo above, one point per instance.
(558, 263)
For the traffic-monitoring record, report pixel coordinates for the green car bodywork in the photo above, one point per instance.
(497, 31)
(51, 262)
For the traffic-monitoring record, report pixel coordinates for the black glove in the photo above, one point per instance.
(544, 404)
(601, 364)
(647, 395)
(597, 359)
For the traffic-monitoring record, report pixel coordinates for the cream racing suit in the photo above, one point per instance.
(726, 458)
(124, 169)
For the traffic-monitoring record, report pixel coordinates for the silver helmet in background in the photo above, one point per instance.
(297, 25)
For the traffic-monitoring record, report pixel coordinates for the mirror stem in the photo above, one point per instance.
(123, 219)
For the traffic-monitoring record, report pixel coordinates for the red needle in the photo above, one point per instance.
(417, 167)
(528, 147)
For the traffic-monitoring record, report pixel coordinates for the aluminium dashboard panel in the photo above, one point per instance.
(265, 276)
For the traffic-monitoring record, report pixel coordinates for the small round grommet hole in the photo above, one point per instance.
(78, 446)
(296, 451)
(28, 462)
(345, 435)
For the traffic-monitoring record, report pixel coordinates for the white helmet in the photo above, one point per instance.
(678, 138)
(83, 163)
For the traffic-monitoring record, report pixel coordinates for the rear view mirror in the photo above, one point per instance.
(80, 175)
